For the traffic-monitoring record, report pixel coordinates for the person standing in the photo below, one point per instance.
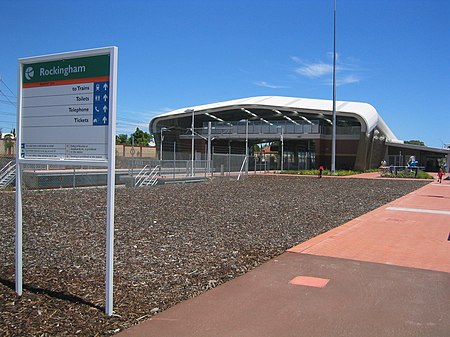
(320, 171)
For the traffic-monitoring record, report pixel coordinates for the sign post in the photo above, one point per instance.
(67, 116)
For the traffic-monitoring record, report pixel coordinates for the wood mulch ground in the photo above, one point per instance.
(172, 243)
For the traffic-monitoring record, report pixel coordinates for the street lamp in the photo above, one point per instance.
(209, 149)
(333, 136)
(161, 146)
(246, 143)
(246, 146)
(282, 148)
(192, 141)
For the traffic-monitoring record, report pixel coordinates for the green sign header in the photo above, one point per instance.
(66, 69)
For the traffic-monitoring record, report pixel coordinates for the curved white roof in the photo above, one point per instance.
(364, 112)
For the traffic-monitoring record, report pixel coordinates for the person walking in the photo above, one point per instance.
(440, 175)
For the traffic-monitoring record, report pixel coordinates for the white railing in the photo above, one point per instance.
(7, 174)
(242, 168)
(147, 177)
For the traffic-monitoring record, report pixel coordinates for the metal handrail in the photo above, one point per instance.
(142, 176)
(7, 174)
(394, 169)
(5, 168)
(150, 178)
(242, 167)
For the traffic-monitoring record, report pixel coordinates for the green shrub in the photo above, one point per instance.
(408, 174)
(423, 175)
(400, 174)
(324, 172)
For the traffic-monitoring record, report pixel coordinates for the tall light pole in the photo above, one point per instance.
(161, 146)
(333, 139)
(192, 140)
(209, 148)
(246, 146)
(282, 148)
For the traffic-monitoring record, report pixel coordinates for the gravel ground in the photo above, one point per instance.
(172, 243)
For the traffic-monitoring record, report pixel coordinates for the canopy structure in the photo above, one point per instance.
(364, 112)
(303, 125)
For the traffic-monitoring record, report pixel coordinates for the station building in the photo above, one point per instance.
(300, 128)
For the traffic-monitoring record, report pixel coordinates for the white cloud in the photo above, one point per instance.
(296, 59)
(349, 79)
(347, 71)
(268, 85)
(314, 70)
(129, 120)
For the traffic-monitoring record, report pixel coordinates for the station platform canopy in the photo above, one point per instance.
(272, 108)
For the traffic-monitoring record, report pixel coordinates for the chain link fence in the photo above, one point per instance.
(176, 162)
(140, 165)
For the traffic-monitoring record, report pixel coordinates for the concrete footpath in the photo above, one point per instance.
(386, 273)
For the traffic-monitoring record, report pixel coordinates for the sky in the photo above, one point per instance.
(392, 54)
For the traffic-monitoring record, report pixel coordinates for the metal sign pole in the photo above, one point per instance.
(111, 188)
(18, 234)
(110, 241)
(18, 238)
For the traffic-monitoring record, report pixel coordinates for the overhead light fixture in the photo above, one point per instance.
(306, 119)
(277, 111)
(212, 116)
(249, 112)
(290, 120)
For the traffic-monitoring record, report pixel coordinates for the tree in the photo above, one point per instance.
(414, 142)
(141, 138)
(122, 139)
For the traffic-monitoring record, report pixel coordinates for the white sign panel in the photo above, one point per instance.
(66, 107)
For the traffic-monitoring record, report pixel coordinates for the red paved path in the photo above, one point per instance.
(388, 272)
